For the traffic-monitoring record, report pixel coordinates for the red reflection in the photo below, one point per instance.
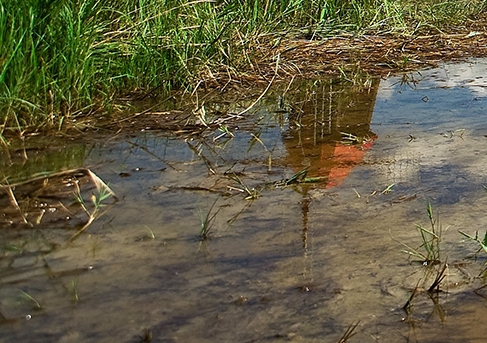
(346, 157)
(331, 134)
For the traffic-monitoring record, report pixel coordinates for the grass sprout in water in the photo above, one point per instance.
(225, 131)
(29, 297)
(429, 252)
(103, 192)
(482, 242)
(207, 221)
(252, 193)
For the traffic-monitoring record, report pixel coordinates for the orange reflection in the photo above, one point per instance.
(330, 131)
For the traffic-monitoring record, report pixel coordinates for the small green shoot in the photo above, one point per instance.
(103, 192)
(252, 193)
(151, 233)
(225, 131)
(482, 242)
(98, 198)
(297, 178)
(314, 179)
(388, 189)
(429, 252)
(207, 221)
(31, 298)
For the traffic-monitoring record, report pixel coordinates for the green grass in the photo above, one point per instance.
(63, 58)
(429, 251)
(206, 221)
(100, 193)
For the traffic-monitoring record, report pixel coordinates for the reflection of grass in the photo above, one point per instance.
(146, 335)
(349, 333)
(74, 290)
(355, 75)
(433, 293)
(256, 138)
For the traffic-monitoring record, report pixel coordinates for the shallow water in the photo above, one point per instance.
(299, 263)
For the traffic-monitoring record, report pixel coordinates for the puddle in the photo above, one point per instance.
(303, 258)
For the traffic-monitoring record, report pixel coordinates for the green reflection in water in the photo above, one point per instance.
(19, 164)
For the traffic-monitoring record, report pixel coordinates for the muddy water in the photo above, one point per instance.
(294, 262)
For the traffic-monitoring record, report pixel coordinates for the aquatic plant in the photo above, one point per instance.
(30, 298)
(101, 193)
(74, 290)
(206, 221)
(482, 243)
(151, 234)
(31, 215)
(429, 252)
(435, 271)
(251, 193)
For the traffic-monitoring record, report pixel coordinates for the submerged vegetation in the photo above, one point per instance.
(63, 58)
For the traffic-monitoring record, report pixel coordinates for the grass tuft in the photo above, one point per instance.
(429, 252)
(206, 221)
(62, 59)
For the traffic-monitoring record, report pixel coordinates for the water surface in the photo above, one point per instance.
(294, 262)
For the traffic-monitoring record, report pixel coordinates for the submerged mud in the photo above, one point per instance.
(307, 204)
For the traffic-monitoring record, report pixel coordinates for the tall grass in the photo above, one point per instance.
(62, 58)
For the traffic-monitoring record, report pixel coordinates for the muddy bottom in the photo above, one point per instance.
(288, 224)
